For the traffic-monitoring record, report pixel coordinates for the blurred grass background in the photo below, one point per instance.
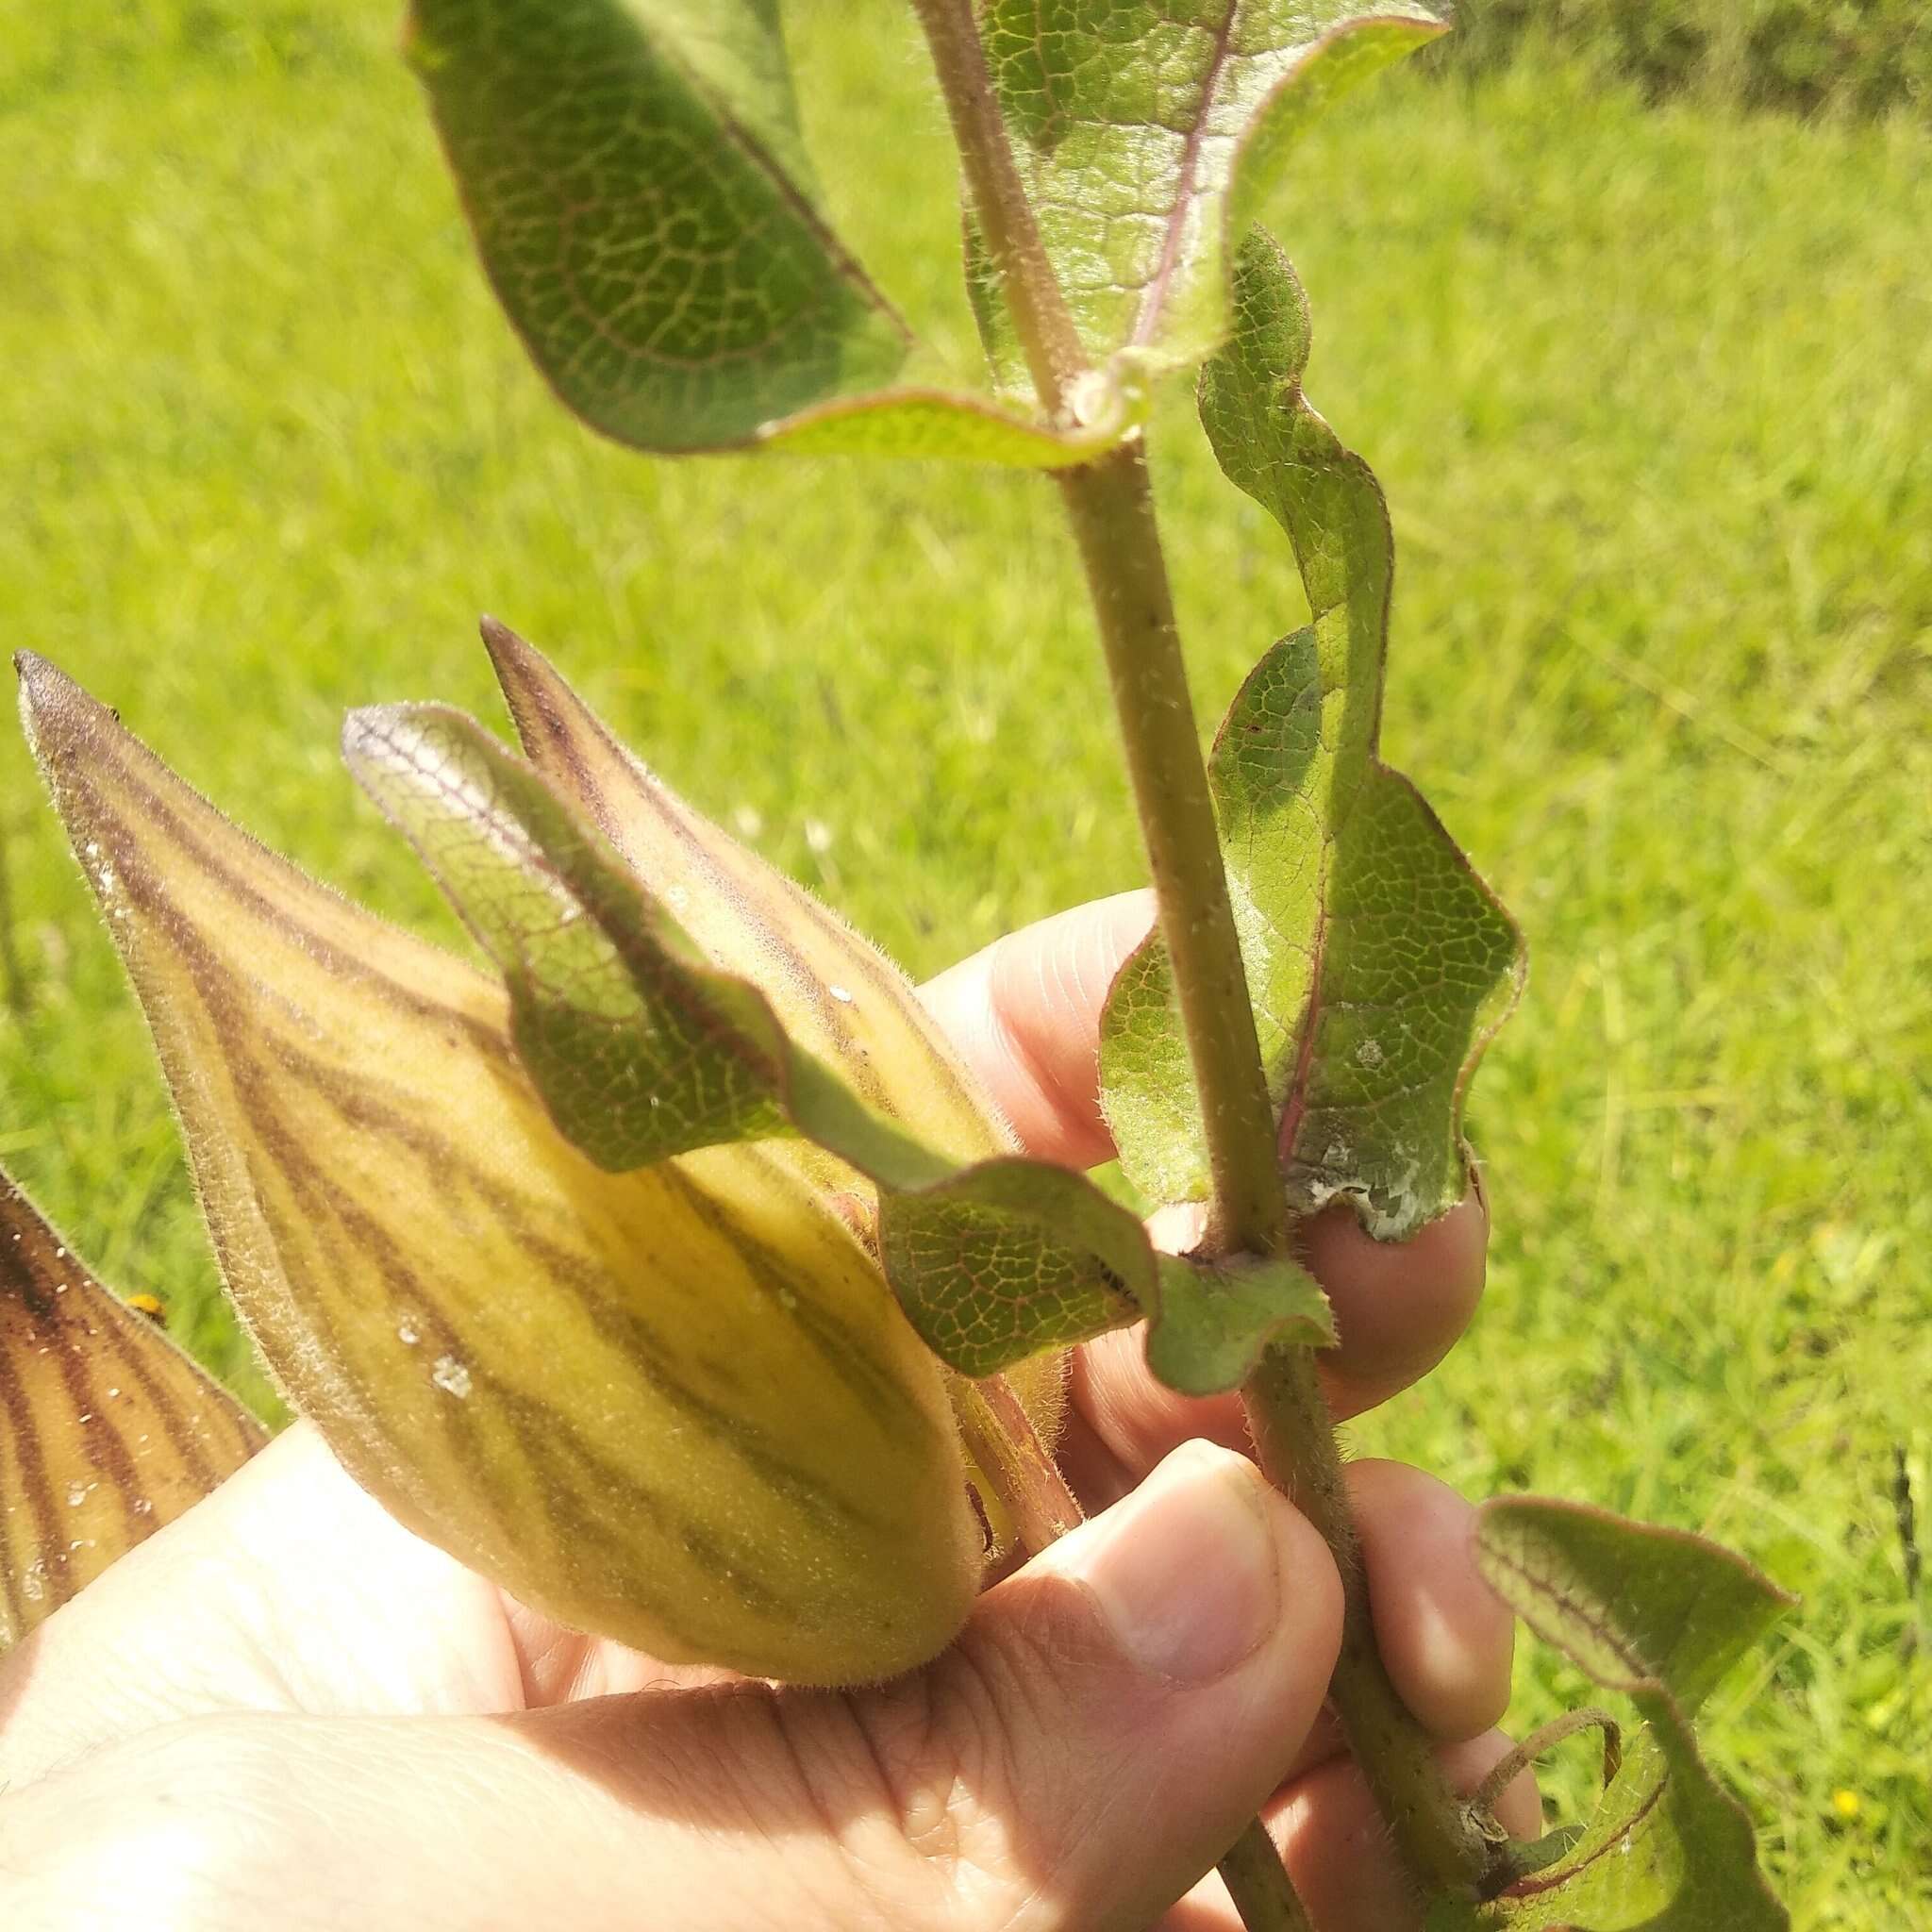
(1649, 383)
(1854, 55)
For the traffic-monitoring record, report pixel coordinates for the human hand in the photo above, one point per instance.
(287, 1709)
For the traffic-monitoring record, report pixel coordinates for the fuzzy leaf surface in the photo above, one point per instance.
(1148, 135)
(837, 995)
(1631, 1604)
(674, 1406)
(1214, 1321)
(108, 1431)
(644, 203)
(643, 1050)
(1659, 1616)
(1379, 964)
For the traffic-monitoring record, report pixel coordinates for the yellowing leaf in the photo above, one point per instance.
(108, 1431)
(676, 1407)
(837, 997)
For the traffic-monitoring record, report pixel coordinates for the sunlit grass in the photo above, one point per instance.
(1650, 393)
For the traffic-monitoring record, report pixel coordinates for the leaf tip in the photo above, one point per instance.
(548, 716)
(512, 657)
(57, 716)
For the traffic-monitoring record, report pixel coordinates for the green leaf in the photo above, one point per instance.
(642, 196)
(644, 203)
(1000, 1260)
(1214, 1320)
(1633, 1605)
(108, 1431)
(643, 1050)
(1660, 1616)
(1379, 964)
(1147, 136)
(937, 425)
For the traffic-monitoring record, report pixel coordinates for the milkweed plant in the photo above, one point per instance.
(671, 1268)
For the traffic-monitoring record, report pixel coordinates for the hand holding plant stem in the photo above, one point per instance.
(349, 1676)
(678, 1053)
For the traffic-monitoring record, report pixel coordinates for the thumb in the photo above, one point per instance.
(1094, 1742)
(1115, 1712)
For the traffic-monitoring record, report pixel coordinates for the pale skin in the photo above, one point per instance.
(285, 1710)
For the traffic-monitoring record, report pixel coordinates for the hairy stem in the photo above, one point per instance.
(1001, 1438)
(1431, 1825)
(1110, 504)
(1046, 329)
(1112, 512)
(1111, 509)
(1252, 1873)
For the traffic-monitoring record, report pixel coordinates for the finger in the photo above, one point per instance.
(1092, 1743)
(1398, 1309)
(1444, 1634)
(1026, 1012)
(289, 1589)
(1447, 1639)
(1336, 1845)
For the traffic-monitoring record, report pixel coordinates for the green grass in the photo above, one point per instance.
(1649, 391)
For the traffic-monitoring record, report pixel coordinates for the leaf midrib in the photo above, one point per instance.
(1155, 300)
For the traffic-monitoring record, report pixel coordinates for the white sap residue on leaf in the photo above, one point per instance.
(407, 1333)
(33, 1580)
(1369, 1054)
(451, 1376)
(143, 1505)
(79, 1493)
(840, 994)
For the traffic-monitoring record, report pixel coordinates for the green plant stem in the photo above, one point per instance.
(1110, 504)
(1112, 511)
(1252, 1873)
(1431, 1825)
(1048, 339)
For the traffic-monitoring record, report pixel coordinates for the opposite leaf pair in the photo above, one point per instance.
(637, 176)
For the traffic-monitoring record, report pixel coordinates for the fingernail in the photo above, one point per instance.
(1186, 1569)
